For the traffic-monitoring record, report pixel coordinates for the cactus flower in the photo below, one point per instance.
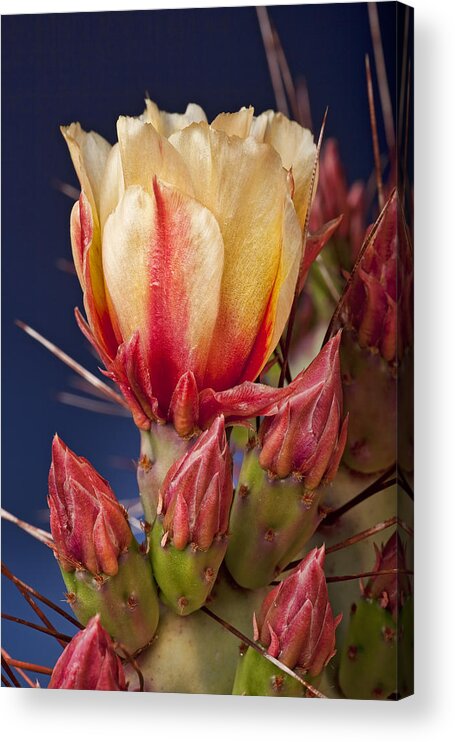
(187, 241)
(296, 622)
(89, 662)
(306, 437)
(89, 526)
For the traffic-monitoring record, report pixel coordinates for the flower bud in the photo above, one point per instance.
(189, 536)
(306, 437)
(378, 304)
(392, 590)
(89, 526)
(89, 662)
(296, 622)
(197, 492)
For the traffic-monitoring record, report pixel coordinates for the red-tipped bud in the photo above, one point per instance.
(89, 526)
(378, 305)
(89, 662)
(391, 590)
(306, 437)
(184, 406)
(296, 622)
(196, 495)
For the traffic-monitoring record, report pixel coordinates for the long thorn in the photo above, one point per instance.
(39, 612)
(131, 659)
(6, 682)
(246, 640)
(91, 405)
(380, 484)
(285, 74)
(51, 632)
(30, 666)
(74, 365)
(19, 670)
(9, 671)
(384, 92)
(357, 537)
(272, 59)
(43, 536)
(40, 597)
(361, 575)
(374, 134)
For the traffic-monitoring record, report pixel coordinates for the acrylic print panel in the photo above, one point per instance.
(229, 500)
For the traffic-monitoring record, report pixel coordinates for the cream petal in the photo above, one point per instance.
(296, 148)
(245, 186)
(163, 262)
(146, 154)
(112, 185)
(89, 152)
(235, 124)
(166, 123)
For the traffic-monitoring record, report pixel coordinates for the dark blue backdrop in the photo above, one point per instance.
(93, 67)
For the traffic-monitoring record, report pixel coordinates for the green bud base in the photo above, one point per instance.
(186, 576)
(160, 448)
(271, 521)
(127, 603)
(257, 676)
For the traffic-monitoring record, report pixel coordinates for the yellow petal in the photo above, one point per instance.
(235, 124)
(146, 154)
(245, 186)
(112, 185)
(89, 152)
(166, 123)
(296, 148)
(163, 262)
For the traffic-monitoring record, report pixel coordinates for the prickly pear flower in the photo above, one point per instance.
(306, 437)
(334, 197)
(390, 590)
(196, 495)
(296, 622)
(89, 526)
(187, 241)
(89, 662)
(379, 301)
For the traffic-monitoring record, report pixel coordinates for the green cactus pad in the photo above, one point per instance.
(368, 660)
(195, 654)
(127, 603)
(370, 394)
(257, 676)
(185, 577)
(271, 521)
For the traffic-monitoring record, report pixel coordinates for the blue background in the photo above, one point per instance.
(93, 67)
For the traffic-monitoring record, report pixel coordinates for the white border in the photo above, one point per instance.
(68, 716)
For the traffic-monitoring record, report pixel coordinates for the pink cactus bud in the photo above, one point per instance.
(306, 437)
(296, 622)
(390, 590)
(196, 495)
(378, 305)
(89, 662)
(184, 406)
(89, 526)
(334, 197)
